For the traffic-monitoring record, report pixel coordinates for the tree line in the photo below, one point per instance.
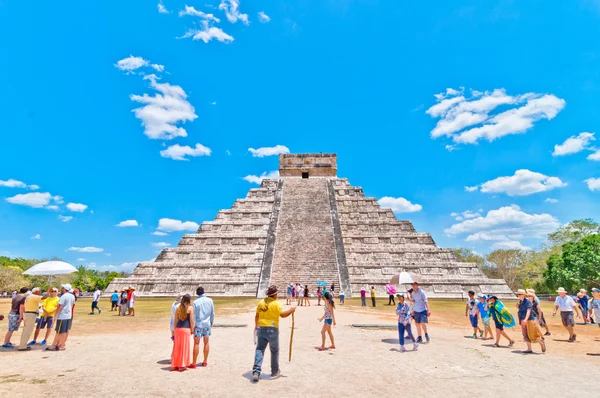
(569, 258)
(85, 279)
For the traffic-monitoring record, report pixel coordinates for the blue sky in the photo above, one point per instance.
(515, 81)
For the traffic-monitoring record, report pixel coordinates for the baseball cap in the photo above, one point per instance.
(595, 290)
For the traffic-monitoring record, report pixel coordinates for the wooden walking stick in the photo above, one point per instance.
(291, 338)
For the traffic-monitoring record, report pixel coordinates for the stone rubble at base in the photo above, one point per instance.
(303, 230)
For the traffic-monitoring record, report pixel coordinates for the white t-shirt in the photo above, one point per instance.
(67, 301)
(132, 299)
(97, 294)
(565, 304)
(472, 303)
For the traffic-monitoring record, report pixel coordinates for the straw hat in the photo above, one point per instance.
(561, 290)
(531, 292)
(521, 292)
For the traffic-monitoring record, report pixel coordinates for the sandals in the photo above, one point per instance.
(203, 364)
(25, 349)
(496, 345)
(52, 349)
(192, 366)
(321, 348)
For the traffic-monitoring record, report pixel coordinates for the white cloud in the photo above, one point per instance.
(164, 110)
(158, 67)
(268, 151)
(263, 18)
(170, 225)
(159, 233)
(107, 254)
(162, 9)
(178, 152)
(160, 244)
(12, 184)
(594, 156)
(33, 187)
(593, 184)
(207, 33)
(509, 245)
(80, 259)
(52, 207)
(35, 199)
(232, 12)
(87, 249)
(128, 223)
(76, 207)
(258, 179)
(127, 266)
(399, 205)
(195, 13)
(468, 214)
(472, 189)
(36, 236)
(504, 226)
(467, 120)
(64, 218)
(550, 200)
(574, 144)
(131, 63)
(523, 182)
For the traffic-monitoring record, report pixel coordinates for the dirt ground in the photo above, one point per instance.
(110, 355)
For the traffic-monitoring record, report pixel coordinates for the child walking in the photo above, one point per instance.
(482, 311)
(403, 312)
(471, 312)
(329, 316)
(502, 317)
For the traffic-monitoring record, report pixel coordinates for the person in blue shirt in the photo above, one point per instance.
(582, 302)
(114, 301)
(482, 311)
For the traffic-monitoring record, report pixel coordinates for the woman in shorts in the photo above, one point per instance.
(329, 317)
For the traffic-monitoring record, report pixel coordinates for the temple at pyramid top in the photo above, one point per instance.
(307, 226)
(308, 165)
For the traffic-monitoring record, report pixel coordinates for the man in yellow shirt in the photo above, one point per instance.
(266, 328)
(31, 308)
(49, 305)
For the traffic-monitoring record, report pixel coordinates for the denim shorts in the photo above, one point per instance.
(421, 317)
(201, 332)
(329, 321)
(45, 322)
(474, 320)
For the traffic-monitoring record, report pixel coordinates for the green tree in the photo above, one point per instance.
(577, 266)
(572, 232)
(11, 278)
(469, 256)
(508, 265)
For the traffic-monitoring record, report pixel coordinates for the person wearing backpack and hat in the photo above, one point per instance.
(528, 322)
(567, 306)
(266, 327)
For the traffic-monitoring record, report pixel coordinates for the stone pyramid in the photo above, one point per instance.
(304, 227)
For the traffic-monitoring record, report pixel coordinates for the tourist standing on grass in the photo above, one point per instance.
(595, 314)
(484, 313)
(373, 293)
(583, 305)
(527, 320)
(266, 327)
(131, 301)
(390, 290)
(49, 305)
(31, 308)
(114, 301)
(329, 317)
(420, 311)
(95, 300)
(502, 317)
(15, 316)
(306, 300)
(289, 294)
(184, 330)
(404, 318)
(63, 318)
(363, 297)
(471, 312)
(123, 303)
(567, 306)
(537, 309)
(319, 295)
(204, 314)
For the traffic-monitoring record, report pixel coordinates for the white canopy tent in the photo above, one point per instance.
(51, 268)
